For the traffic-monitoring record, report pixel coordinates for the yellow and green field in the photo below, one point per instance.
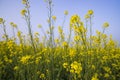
(80, 56)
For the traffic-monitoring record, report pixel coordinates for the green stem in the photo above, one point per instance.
(70, 35)
(90, 31)
(50, 23)
(27, 17)
(5, 33)
(13, 33)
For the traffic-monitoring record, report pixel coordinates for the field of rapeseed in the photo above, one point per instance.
(80, 56)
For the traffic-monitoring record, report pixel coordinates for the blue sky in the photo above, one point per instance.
(104, 11)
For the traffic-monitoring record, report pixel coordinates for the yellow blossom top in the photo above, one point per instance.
(90, 12)
(75, 18)
(23, 12)
(39, 26)
(13, 25)
(54, 18)
(106, 24)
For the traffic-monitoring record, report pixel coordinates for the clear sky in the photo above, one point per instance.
(104, 11)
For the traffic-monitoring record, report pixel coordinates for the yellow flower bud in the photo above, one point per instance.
(1, 20)
(90, 12)
(66, 12)
(64, 44)
(87, 16)
(24, 1)
(16, 68)
(106, 24)
(11, 23)
(48, 21)
(39, 26)
(23, 12)
(42, 76)
(54, 18)
(15, 25)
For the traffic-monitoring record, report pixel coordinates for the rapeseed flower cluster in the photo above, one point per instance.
(13, 24)
(95, 77)
(75, 67)
(74, 19)
(25, 59)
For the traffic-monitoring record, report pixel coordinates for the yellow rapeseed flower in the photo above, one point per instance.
(98, 32)
(65, 65)
(25, 59)
(106, 75)
(90, 12)
(10, 60)
(1, 20)
(64, 44)
(72, 71)
(39, 26)
(47, 60)
(106, 24)
(75, 18)
(107, 69)
(24, 1)
(66, 12)
(19, 33)
(72, 53)
(60, 30)
(16, 68)
(87, 16)
(56, 40)
(13, 25)
(42, 76)
(23, 12)
(38, 72)
(76, 38)
(38, 60)
(36, 33)
(76, 67)
(95, 77)
(54, 18)
(93, 67)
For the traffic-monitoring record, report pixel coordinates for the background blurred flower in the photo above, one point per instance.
(87, 16)
(90, 12)
(24, 1)
(106, 24)
(23, 12)
(1, 20)
(66, 12)
(54, 18)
